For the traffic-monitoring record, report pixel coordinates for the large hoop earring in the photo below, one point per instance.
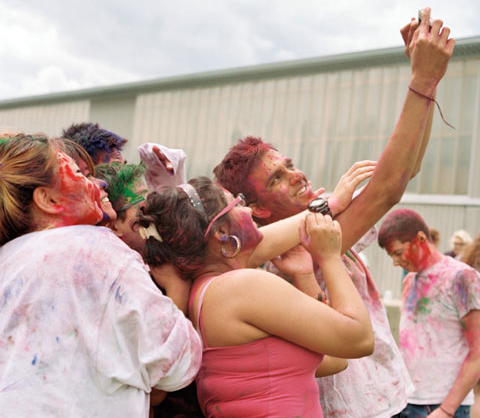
(238, 246)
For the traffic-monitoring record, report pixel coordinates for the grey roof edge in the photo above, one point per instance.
(437, 199)
(465, 47)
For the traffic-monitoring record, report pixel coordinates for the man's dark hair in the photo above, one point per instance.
(402, 225)
(94, 139)
(233, 171)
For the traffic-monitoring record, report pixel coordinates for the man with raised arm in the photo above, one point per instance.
(375, 386)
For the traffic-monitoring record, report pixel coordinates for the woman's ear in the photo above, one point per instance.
(46, 200)
(221, 233)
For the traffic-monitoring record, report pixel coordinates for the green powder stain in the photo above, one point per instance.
(350, 256)
(422, 307)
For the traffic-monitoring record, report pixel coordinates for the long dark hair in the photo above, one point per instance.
(180, 225)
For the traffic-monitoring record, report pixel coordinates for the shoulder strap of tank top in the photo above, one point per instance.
(199, 327)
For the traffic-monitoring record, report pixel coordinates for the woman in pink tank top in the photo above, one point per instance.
(264, 339)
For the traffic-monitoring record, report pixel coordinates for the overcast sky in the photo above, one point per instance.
(58, 45)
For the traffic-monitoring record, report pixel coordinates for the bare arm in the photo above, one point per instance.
(407, 33)
(430, 53)
(425, 140)
(331, 365)
(277, 308)
(469, 373)
(278, 238)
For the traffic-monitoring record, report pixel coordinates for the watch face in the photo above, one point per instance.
(319, 205)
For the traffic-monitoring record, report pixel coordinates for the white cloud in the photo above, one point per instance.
(59, 45)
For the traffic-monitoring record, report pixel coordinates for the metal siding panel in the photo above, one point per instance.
(49, 119)
(116, 116)
(301, 134)
(269, 109)
(474, 173)
(318, 139)
(183, 117)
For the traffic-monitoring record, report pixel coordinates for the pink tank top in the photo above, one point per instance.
(270, 377)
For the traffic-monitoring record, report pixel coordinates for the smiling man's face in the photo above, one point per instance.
(281, 189)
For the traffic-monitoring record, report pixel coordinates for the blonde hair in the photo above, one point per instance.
(26, 162)
(78, 153)
(463, 235)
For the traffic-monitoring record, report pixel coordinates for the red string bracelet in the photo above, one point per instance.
(432, 100)
(448, 413)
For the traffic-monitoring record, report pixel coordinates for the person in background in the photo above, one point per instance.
(102, 145)
(83, 330)
(435, 235)
(458, 241)
(164, 166)
(471, 253)
(439, 319)
(471, 256)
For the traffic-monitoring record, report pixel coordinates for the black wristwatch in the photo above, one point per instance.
(320, 205)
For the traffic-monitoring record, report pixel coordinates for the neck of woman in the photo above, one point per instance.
(216, 263)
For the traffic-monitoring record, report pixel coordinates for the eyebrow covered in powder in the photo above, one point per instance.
(285, 163)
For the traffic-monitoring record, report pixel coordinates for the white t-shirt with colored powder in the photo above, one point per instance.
(84, 332)
(375, 386)
(432, 337)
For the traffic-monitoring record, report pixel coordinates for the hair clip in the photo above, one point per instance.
(151, 231)
(193, 196)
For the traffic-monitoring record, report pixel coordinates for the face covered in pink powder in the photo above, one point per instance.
(412, 256)
(281, 188)
(77, 198)
(242, 224)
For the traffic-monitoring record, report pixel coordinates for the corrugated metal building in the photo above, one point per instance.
(324, 112)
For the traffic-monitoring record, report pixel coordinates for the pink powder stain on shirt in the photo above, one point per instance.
(408, 342)
(425, 287)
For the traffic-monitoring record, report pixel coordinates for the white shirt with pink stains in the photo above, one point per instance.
(376, 386)
(431, 333)
(84, 332)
